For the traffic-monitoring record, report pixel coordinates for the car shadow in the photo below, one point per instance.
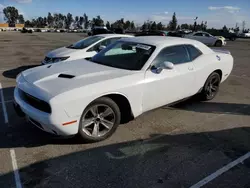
(12, 73)
(193, 104)
(21, 133)
(160, 161)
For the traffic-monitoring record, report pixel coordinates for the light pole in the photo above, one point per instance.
(195, 23)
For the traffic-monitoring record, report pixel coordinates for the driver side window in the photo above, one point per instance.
(174, 54)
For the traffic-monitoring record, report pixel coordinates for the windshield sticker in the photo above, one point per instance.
(144, 47)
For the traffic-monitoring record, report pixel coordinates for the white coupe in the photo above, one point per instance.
(85, 48)
(126, 79)
(206, 38)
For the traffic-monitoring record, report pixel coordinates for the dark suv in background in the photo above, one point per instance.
(97, 31)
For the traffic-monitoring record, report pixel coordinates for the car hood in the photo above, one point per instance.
(61, 77)
(63, 52)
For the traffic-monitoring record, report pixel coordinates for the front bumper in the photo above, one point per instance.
(45, 121)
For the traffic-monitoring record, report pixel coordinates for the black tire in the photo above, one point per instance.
(204, 95)
(218, 43)
(117, 118)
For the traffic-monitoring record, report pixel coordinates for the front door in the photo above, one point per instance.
(169, 85)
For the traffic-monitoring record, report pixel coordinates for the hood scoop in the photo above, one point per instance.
(68, 76)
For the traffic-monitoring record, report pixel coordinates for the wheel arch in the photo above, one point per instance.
(123, 104)
(219, 71)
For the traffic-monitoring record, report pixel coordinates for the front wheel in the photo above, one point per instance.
(99, 120)
(218, 43)
(211, 87)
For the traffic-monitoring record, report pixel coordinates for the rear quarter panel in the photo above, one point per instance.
(208, 63)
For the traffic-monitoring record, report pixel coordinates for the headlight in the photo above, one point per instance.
(58, 59)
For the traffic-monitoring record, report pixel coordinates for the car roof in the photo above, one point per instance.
(163, 41)
(114, 35)
(160, 40)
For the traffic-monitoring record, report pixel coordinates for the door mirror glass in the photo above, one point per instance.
(167, 65)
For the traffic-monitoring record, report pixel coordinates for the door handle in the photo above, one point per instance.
(190, 68)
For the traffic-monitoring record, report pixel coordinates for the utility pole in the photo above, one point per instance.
(195, 23)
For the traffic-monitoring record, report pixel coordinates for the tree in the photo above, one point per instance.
(97, 21)
(76, 21)
(20, 19)
(45, 23)
(108, 25)
(11, 14)
(178, 27)
(173, 23)
(86, 21)
(184, 26)
(144, 27)
(159, 26)
(224, 28)
(127, 25)
(50, 19)
(81, 21)
(202, 26)
(68, 20)
(153, 26)
(61, 20)
(132, 25)
(28, 24)
(205, 26)
(39, 22)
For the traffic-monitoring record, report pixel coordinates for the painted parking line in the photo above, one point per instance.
(221, 171)
(6, 120)
(15, 168)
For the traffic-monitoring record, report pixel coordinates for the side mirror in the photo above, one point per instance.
(164, 65)
(167, 65)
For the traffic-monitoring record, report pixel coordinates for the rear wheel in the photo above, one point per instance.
(211, 87)
(218, 43)
(99, 120)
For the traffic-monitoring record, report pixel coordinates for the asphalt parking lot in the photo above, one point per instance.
(178, 146)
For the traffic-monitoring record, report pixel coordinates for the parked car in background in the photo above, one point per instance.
(100, 30)
(206, 38)
(85, 48)
(225, 34)
(129, 77)
(179, 33)
(118, 31)
(151, 33)
(245, 35)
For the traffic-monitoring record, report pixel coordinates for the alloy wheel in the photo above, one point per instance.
(212, 87)
(98, 120)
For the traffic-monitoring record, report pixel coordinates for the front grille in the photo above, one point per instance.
(35, 102)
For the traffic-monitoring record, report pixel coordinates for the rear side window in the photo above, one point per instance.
(174, 54)
(198, 34)
(193, 52)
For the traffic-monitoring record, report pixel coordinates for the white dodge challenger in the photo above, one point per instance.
(126, 79)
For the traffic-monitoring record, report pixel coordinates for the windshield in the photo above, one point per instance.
(124, 55)
(85, 42)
